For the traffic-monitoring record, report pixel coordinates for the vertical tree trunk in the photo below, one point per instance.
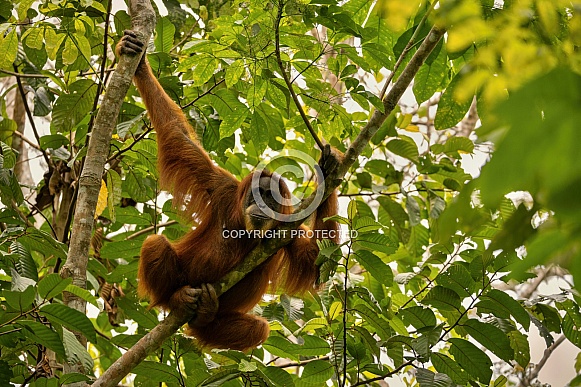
(143, 22)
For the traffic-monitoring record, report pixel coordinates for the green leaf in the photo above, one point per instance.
(279, 346)
(502, 305)
(25, 265)
(20, 300)
(279, 376)
(446, 365)
(71, 108)
(34, 37)
(491, 338)
(520, 344)
(427, 378)
(37, 240)
(457, 278)
(317, 372)
(70, 51)
(430, 76)
(571, 322)
(76, 353)
(9, 157)
(82, 293)
(443, 298)
(472, 359)
(5, 373)
(234, 72)
(53, 141)
(403, 148)
(376, 242)
(43, 335)
(69, 318)
(122, 249)
(376, 321)
(458, 144)
(204, 70)
(164, 33)
(157, 371)
(419, 317)
(52, 285)
(73, 378)
(8, 50)
(376, 267)
(450, 110)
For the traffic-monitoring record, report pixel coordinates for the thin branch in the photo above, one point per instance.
(149, 229)
(101, 83)
(391, 99)
(29, 113)
(26, 140)
(287, 80)
(121, 151)
(17, 74)
(395, 371)
(203, 94)
(546, 355)
(302, 363)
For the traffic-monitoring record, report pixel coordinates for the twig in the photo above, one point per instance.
(526, 381)
(151, 228)
(287, 80)
(391, 99)
(26, 140)
(302, 363)
(203, 94)
(121, 151)
(29, 113)
(376, 379)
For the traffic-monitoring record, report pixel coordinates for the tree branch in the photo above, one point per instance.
(155, 338)
(143, 21)
(286, 78)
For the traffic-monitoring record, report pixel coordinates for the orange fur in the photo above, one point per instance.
(214, 198)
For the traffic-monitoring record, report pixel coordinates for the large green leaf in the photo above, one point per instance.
(491, 338)
(429, 78)
(164, 33)
(157, 371)
(502, 305)
(317, 372)
(376, 267)
(76, 353)
(69, 318)
(52, 285)
(26, 266)
(472, 359)
(8, 49)
(520, 344)
(418, 317)
(72, 107)
(42, 334)
(443, 298)
(446, 365)
(450, 110)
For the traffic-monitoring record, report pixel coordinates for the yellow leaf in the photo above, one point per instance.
(102, 200)
(412, 128)
(335, 310)
(398, 13)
